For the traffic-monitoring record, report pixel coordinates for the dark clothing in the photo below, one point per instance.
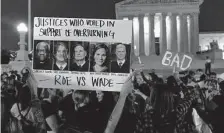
(144, 88)
(92, 69)
(102, 115)
(216, 117)
(127, 123)
(115, 68)
(130, 113)
(207, 68)
(83, 119)
(48, 110)
(18, 77)
(46, 65)
(7, 101)
(217, 121)
(202, 77)
(102, 110)
(57, 68)
(84, 68)
(185, 79)
(151, 122)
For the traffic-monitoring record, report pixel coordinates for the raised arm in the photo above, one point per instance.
(116, 114)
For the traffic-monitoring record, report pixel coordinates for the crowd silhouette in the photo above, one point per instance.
(182, 103)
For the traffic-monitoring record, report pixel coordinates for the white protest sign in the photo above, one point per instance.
(79, 80)
(176, 60)
(77, 53)
(79, 29)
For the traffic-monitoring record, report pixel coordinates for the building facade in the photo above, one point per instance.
(205, 38)
(160, 25)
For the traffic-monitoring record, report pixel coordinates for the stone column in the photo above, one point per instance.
(151, 33)
(185, 33)
(141, 35)
(131, 18)
(173, 34)
(191, 35)
(133, 40)
(196, 32)
(136, 36)
(22, 54)
(181, 34)
(163, 40)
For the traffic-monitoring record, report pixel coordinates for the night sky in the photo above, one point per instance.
(15, 11)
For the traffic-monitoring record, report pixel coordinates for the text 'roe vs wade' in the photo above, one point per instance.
(67, 80)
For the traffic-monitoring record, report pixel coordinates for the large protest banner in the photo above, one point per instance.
(77, 53)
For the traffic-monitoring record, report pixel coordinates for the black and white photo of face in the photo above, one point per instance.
(120, 52)
(100, 56)
(99, 95)
(42, 51)
(80, 53)
(61, 53)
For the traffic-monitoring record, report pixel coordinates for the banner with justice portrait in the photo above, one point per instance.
(77, 53)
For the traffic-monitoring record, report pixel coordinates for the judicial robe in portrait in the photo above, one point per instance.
(64, 67)
(46, 65)
(123, 68)
(81, 68)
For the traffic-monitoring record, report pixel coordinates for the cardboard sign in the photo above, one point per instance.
(176, 61)
(76, 53)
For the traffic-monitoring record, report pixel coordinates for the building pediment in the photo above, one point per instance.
(156, 2)
(136, 7)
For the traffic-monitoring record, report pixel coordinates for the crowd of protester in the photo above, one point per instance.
(192, 103)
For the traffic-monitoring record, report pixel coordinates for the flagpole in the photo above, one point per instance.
(29, 27)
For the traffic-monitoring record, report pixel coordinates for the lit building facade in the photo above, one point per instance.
(160, 25)
(205, 38)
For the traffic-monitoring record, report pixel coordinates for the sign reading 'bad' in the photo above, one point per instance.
(177, 60)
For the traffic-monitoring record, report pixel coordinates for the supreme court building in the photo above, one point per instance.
(160, 25)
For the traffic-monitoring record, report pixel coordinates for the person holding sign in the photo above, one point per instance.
(61, 56)
(42, 60)
(121, 65)
(80, 62)
(100, 58)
